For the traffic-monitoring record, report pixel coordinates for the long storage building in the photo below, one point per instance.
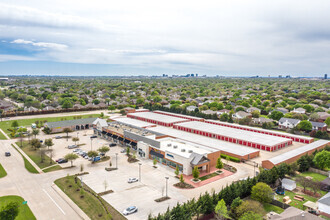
(159, 119)
(190, 118)
(294, 155)
(242, 137)
(293, 137)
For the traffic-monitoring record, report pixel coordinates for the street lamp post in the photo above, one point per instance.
(140, 171)
(91, 144)
(116, 161)
(166, 185)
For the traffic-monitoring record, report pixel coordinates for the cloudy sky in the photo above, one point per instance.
(221, 37)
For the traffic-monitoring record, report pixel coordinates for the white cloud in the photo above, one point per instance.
(54, 46)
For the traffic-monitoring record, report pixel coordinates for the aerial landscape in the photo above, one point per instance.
(147, 110)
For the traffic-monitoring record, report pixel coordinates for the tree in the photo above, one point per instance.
(305, 125)
(221, 210)
(251, 216)
(276, 115)
(177, 171)
(127, 151)
(35, 143)
(75, 140)
(67, 130)
(305, 162)
(35, 132)
(224, 117)
(250, 205)
(67, 104)
(104, 149)
(47, 130)
(304, 182)
(101, 115)
(49, 142)
(261, 192)
(10, 211)
(322, 159)
(219, 164)
(14, 124)
(71, 157)
(327, 121)
(181, 178)
(195, 173)
(236, 202)
(92, 154)
(255, 114)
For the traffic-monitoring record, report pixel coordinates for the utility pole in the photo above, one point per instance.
(166, 185)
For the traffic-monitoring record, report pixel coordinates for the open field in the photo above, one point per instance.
(5, 125)
(24, 210)
(3, 173)
(316, 176)
(27, 164)
(89, 203)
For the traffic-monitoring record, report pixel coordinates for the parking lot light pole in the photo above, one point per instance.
(91, 144)
(166, 184)
(140, 171)
(116, 161)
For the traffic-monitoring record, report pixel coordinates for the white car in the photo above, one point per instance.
(130, 210)
(133, 180)
(76, 150)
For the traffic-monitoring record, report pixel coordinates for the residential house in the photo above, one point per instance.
(261, 120)
(319, 126)
(251, 109)
(191, 108)
(283, 110)
(241, 114)
(220, 112)
(323, 116)
(324, 205)
(288, 123)
(209, 112)
(292, 213)
(30, 109)
(299, 110)
(48, 108)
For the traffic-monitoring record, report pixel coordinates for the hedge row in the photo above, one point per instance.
(234, 159)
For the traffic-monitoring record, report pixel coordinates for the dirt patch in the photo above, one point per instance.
(183, 185)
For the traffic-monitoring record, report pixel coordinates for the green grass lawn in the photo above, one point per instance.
(269, 207)
(4, 125)
(89, 204)
(24, 210)
(3, 173)
(208, 176)
(296, 203)
(316, 176)
(53, 168)
(27, 163)
(35, 155)
(2, 136)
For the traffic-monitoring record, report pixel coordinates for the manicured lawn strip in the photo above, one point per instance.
(296, 203)
(89, 204)
(208, 176)
(35, 155)
(269, 207)
(3, 173)
(54, 168)
(316, 176)
(2, 136)
(24, 210)
(4, 125)
(27, 163)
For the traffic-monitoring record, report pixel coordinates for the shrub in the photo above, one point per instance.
(234, 159)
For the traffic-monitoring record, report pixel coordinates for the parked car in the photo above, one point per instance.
(76, 150)
(112, 145)
(130, 210)
(123, 151)
(101, 154)
(97, 158)
(72, 146)
(41, 141)
(7, 154)
(58, 137)
(84, 154)
(62, 160)
(93, 136)
(133, 180)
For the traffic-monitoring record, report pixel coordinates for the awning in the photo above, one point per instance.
(133, 143)
(120, 138)
(103, 132)
(152, 152)
(127, 141)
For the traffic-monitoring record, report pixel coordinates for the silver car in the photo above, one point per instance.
(130, 210)
(132, 180)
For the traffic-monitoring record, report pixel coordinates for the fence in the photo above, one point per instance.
(319, 171)
(280, 204)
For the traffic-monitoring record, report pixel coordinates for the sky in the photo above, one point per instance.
(220, 37)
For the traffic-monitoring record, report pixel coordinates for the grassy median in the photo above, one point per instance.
(89, 203)
(3, 173)
(24, 210)
(27, 163)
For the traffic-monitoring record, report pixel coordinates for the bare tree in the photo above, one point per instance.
(304, 182)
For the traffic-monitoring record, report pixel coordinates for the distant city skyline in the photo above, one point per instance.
(235, 38)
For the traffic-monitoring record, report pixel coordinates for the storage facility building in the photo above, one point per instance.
(242, 137)
(159, 119)
(293, 137)
(190, 118)
(293, 155)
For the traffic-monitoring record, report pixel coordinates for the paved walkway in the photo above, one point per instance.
(4, 134)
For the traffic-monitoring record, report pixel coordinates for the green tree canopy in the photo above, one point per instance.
(322, 159)
(261, 192)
